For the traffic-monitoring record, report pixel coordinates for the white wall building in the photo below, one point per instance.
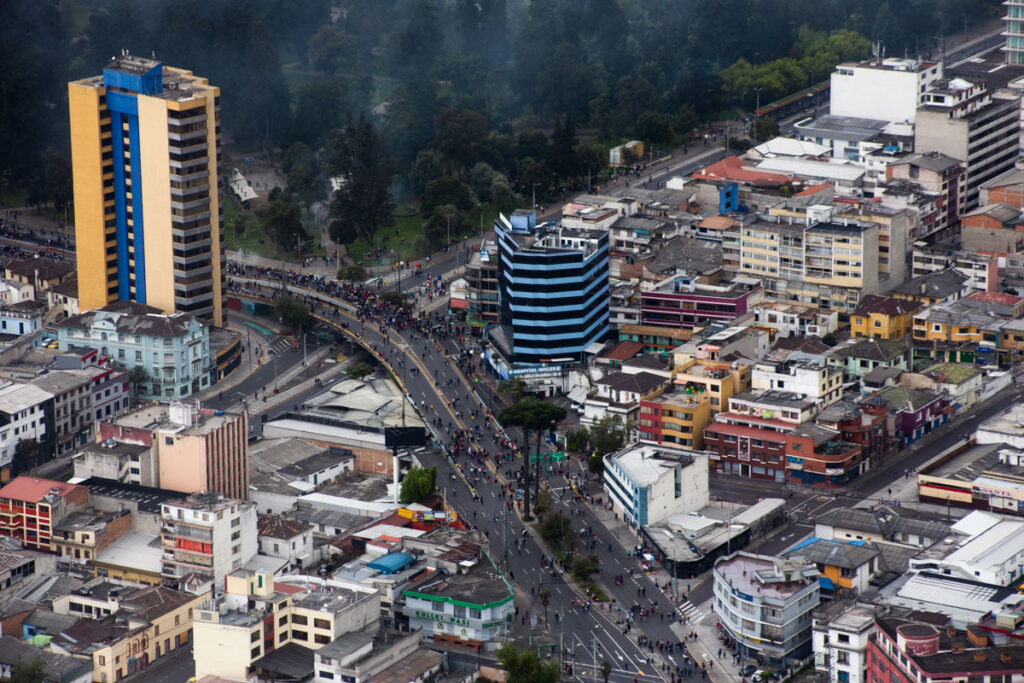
(472, 606)
(993, 553)
(764, 604)
(890, 89)
(820, 383)
(288, 539)
(648, 485)
(22, 416)
(209, 534)
(840, 643)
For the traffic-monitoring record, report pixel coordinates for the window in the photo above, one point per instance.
(437, 606)
(254, 636)
(255, 652)
(103, 660)
(283, 620)
(843, 638)
(326, 675)
(284, 636)
(299, 619)
(321, 639)
(322, 623)
(842, 657)
(474, 614)
(300, 635)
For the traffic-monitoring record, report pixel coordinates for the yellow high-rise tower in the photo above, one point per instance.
(145, 151)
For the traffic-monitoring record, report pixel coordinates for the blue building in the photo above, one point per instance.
(172, 350)
(553, 292)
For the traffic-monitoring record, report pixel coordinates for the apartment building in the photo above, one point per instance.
(30, 508)
(26, 413)
(257, 615)
(964, 120)
(981, 270)
(896, 227)
(688, 301)
(482, 286)
(674, 419)
(145, 153)
(816, 381)
(750, 439)
(995, 229)
(208, 534)
(841, 632)
(764, 604)
(886, 88)
(818, 455)
(173, 351)
(717, 380)
(941, 176)
(822, 262)
(81, 396)
(884, 317)
(195, 450)
(905, 649)
(647, 485)
(795, 320)
(82, 535)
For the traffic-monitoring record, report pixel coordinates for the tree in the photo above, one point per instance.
(545, 600)
(576, 439)
(608, 434)
(513, 387)
(443, 226)
(27, 454)
(395, 299)
(656, 127)
(481, 177)
(556, 529)
(294, 314)
(584, 566)
(28, 672)
(764, 129)
(458, 135)
(352, 273)
(417, 485)
(562, 153)
(331, 50)
(446, 190)
(531, 413)
(428, 167)
(285, 224)
(362, 205)
(138, 375)
(532, 144)
(524, 666)
(359, 370)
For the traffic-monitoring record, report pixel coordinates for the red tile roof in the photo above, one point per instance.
(813, 189)
(996, 298)
(624, 350)
(886, 305)
(287, 588)
(33, 489)
(734, 168)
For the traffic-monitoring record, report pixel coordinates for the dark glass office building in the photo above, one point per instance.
(553, 290)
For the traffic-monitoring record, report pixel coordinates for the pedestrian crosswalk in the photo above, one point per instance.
(689, 612)
(279, 344)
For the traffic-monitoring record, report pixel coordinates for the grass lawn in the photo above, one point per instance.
(402, 241)
(255, 240)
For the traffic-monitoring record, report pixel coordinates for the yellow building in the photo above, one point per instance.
(884, 317)
(826, 263)
(255, 616)
(675, 419)
(145, 149)
(150, 623)
(718, 381)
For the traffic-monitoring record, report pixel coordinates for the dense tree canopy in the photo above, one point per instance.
(462, 81)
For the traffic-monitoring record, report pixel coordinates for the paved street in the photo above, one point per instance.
(434, 386)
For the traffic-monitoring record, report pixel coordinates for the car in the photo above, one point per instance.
(748, 670)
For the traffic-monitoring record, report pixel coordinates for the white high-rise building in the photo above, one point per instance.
(888, 89)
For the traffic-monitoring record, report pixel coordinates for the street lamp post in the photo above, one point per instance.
(448, 222)
(535, 196)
